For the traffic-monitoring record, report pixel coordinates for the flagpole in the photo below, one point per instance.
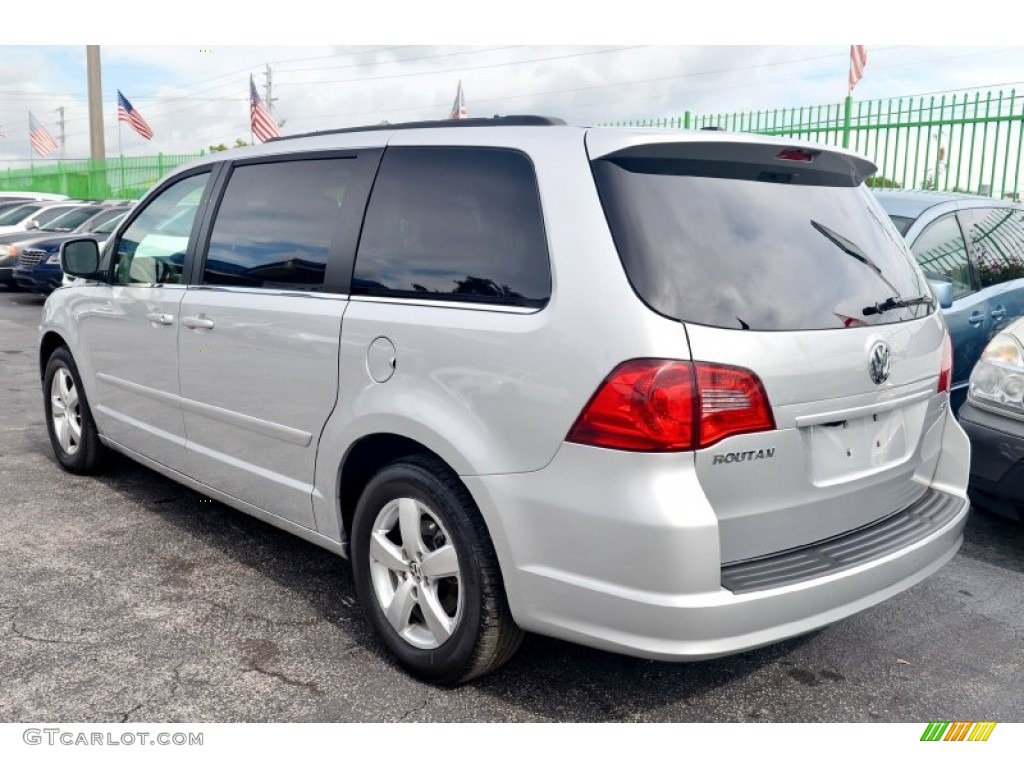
(848, 103)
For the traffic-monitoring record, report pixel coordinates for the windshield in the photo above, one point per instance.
(15, 215)
(740, 253)
(98, 220)
(49, 214)
(67, 221)
(110, 224)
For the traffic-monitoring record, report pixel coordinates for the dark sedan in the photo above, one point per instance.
(38, 266)
(83, 218)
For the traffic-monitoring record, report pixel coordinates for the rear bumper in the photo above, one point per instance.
(997, 460)
(621, 552)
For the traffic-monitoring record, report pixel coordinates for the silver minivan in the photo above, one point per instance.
(671, 394)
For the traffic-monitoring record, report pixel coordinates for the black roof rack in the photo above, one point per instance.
(471, 122)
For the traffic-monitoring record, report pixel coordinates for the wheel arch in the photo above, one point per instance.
(364, 458)
(51, 341)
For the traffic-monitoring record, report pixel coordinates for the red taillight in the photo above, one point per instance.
(946, 372)
(672, 405)
(732, 401)
(797, 155)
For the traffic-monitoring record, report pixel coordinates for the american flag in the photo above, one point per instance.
(459, 111)
(40, 139)
(126, 113)
(858, 58)
(263, 125)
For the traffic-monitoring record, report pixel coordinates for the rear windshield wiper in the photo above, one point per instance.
(851, 249)
(895, 302)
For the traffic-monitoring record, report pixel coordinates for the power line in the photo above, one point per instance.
(667, 78)
(618, 84)
(405, 61)
(467, 69)
(285, 61)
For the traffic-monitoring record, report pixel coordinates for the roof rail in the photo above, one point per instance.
(471, 122)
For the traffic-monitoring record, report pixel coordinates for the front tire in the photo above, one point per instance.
(73, 434)
(427, 576)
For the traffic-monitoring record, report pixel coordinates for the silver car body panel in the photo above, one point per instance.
(134, 397)
(256, 389)
(608, 548)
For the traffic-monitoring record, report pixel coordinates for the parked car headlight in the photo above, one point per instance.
(998, 378)
(54, 258)
(8, 250)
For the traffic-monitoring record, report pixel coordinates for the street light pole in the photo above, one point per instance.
(97, 148)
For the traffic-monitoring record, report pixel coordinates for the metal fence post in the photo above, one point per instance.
(847, 109)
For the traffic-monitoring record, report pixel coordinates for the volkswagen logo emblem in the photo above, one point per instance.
(878, 362)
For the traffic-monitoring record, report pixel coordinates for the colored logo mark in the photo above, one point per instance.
(958, 731)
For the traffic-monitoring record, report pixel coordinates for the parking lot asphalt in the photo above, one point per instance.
(130, 598)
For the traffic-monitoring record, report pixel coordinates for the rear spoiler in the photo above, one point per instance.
(738, 156)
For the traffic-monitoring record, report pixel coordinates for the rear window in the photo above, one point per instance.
(902, 223)
(702, 244)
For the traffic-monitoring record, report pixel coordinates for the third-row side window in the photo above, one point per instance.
(457, 224)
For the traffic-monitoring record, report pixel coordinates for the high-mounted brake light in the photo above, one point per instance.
(946, 371)
(797, 155)
(672, 405)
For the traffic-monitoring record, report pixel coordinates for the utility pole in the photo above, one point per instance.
(269, 94)
(62, 134)
(97, 147)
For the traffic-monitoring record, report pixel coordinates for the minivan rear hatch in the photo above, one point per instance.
(776, 259)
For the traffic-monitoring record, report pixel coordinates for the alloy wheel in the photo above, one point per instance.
(415, 573)
(65, 411)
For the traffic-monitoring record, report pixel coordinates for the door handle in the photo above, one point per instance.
(975, 319)
(159, 318)
(198, 322)
(999, 314)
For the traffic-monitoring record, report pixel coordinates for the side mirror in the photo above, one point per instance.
(80, 258)
(943, 291)
(31, 224)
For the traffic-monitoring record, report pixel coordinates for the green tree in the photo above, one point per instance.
(881, 182)
(222, 147)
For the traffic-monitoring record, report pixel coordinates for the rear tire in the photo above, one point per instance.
(73, 434)
(427, 575)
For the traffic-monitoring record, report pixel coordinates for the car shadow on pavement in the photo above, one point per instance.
(995, 540)
(27, 299)
(548, 677)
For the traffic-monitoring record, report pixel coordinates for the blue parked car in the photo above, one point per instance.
(976, 246)
(38, 266)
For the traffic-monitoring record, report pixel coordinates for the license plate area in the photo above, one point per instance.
(843, 450)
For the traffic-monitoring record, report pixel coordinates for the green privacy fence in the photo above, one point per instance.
(968, 142)
(115, 178)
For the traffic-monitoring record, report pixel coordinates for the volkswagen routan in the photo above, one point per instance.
(669, 394)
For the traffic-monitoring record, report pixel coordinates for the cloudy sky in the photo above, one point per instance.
(197, 95)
